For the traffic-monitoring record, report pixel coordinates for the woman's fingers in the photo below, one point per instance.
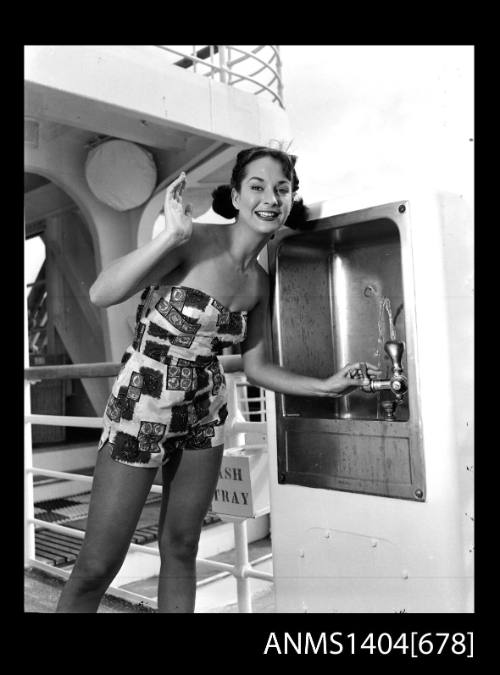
(373, 370)
(350, 369)
(175, 188)
(176, 182)
(353, 370)
(179, 188)
(361, 370)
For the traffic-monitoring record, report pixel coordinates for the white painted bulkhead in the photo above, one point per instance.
(135, 93)
(344, 552)
(403, 131)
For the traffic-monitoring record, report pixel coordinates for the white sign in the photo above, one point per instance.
(243, 486)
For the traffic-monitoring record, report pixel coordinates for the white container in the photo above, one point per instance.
(243, 486)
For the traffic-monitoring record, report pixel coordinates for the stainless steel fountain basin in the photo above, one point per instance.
(332, 286)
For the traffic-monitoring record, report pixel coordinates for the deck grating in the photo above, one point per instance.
(61, 550)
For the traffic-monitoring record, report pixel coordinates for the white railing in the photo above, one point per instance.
(219, 62)
(244, 400)
(242, 570)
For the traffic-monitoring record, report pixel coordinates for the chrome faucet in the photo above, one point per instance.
(398, 384)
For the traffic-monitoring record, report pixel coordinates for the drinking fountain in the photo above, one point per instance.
(397, 384)
(333, 286)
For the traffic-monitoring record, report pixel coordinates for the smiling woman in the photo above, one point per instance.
(288, 185)
(203, 290)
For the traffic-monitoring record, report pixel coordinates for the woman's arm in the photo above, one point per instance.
(142, 267)
(260, 370)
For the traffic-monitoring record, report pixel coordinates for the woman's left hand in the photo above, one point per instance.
(349, 378)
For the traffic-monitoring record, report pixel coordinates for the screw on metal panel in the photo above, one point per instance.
(402, 208)
(281, 478)
(419, 494)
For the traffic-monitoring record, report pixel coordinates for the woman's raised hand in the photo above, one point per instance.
(349, 378)
(178, 218)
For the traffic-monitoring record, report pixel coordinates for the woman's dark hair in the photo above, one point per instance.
(222, 202)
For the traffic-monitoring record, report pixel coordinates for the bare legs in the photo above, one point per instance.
(118, 496)
(186, 499)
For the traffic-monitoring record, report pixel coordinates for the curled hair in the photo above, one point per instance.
(297, 220)
(222, 202)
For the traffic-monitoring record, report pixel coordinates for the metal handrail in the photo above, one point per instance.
(253, 51)
(226, 69)
(191, 57)
(230, 364)
(242, 570)
(266, 65)
(252, 55)
(247, 78)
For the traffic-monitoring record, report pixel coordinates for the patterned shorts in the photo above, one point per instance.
(155, 410)
(171, 391)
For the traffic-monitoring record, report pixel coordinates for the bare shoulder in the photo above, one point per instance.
(204, 229)
(193, 249)
(183, 257)
(204, 234)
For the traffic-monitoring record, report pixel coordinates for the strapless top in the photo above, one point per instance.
(179, 322)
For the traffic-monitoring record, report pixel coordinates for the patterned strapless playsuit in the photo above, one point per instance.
(171, 391)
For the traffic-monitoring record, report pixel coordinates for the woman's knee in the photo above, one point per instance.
(179, 544)
(94, 572)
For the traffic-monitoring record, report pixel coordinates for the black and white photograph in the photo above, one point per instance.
(248, 335)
